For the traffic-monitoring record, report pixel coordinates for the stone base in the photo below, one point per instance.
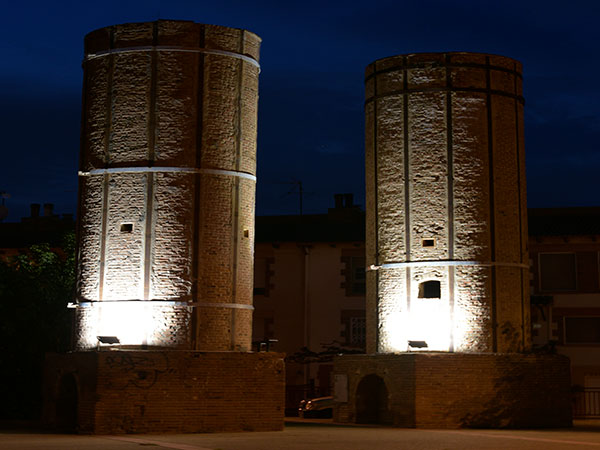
(454, 390)
(111, 392)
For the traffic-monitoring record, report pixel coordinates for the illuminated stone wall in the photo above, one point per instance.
(445, 171)
(167, 186)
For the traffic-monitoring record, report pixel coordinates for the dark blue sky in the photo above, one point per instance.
(311, 89)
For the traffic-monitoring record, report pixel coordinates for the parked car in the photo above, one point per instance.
(321, 407)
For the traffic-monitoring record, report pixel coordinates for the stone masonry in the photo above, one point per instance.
(168, 391)
(446, 202)
(167, 182)
(453, 390)
(166, 239)
(446, 249)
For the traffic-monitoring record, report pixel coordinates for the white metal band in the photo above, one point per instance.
(168, 48)
(399, 265)
(118, 170)
(224, 305)
(89, 304)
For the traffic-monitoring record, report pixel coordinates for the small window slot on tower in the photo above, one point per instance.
(430, 242)
(126, 227)
(430, 289)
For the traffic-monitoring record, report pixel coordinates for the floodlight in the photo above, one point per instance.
(417, 344)
(108, 340)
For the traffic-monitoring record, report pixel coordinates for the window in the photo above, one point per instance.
(557, 271)
(262, 276)
(268, 328)
(358, 330)
(582, 330)
(430, 289)
(353, 328)
(358, 276)
(355, 275)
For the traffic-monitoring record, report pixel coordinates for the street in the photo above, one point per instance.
(321, 435)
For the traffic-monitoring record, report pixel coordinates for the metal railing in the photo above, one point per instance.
(586, 404)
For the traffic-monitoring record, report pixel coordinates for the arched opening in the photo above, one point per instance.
(66, 404)
(372, 401)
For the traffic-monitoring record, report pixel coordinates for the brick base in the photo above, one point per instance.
(453, 390)
(110, 392)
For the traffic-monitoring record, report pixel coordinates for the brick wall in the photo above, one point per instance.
(445, 163)
(174, 391)
(191, 233)
(451, 390)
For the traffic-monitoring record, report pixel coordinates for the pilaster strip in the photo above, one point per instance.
(236, 189)
(148, 234)
(148, 228)
(406, 154)
(492, 204)
(106, 177)
(81, 185)
(450, 188)
(197, 214)
(520, 208)
(376, 208)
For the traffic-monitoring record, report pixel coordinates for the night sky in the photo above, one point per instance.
(311, 88)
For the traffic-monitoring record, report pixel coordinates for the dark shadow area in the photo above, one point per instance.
(22, 427)
(372, 401)
(36, 281)
(66, 405)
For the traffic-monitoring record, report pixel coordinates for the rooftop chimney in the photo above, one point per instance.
(48, 207)
(35, 209)
(348, 200)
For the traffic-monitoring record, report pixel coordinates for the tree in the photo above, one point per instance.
(35, 287)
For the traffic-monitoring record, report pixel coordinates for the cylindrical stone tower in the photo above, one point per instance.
(167, 185)
(446, 204)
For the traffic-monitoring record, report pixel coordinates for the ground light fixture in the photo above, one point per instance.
(417, 344)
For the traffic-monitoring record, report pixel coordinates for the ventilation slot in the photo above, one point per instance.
(430, 289)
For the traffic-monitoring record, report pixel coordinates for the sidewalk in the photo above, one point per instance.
(579, 424)
(322, 434)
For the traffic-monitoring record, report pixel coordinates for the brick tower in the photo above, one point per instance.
(166, 230)
(446, 242)
(446, 204)
(167, 172)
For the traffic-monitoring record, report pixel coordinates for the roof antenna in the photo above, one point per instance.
(3, 209)
(296, 184)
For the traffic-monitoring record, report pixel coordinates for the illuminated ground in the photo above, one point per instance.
(302, 436)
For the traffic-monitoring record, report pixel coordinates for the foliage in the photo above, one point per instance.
(307, 356)
(35, 287)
